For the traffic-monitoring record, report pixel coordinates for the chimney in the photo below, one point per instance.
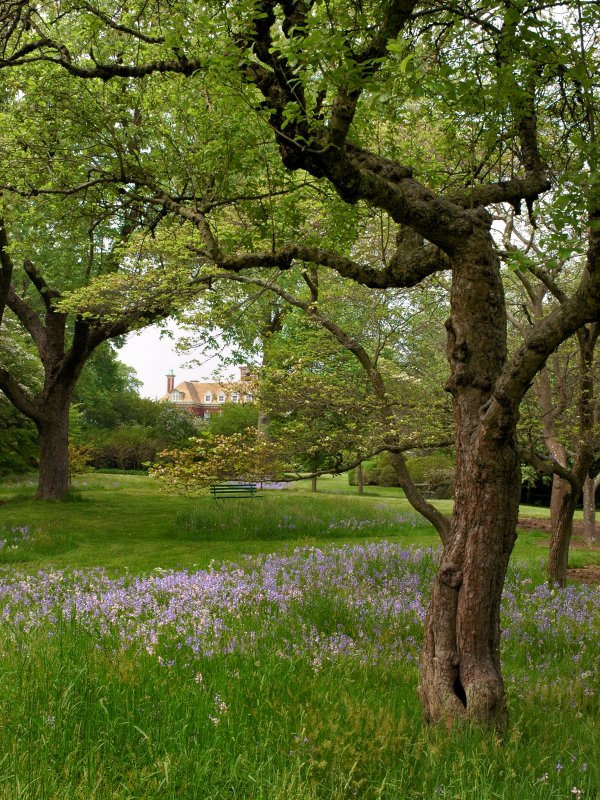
(244, 371)
(170, 381)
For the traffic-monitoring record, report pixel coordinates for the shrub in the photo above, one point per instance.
(436, 469)
(124, 448)
(377, 472)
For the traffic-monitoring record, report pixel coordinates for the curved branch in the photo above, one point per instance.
(406, 268)
(29, 318)
(47, 294)
(20, 399)
(96, 12)
(544, 337)
(549, 467)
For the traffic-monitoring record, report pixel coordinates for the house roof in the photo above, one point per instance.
(194, 391)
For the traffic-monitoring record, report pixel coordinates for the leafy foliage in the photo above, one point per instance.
(245, 456)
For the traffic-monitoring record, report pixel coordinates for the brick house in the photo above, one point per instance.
(205, 398)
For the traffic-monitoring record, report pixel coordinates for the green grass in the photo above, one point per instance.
(82, 717)
(124, 521)
(123, 728)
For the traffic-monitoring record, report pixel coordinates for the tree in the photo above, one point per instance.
(55, 240)
(568, 409)
(383, 401)
(335, 82)
(233, 418)
(567, 404)
(63, 346)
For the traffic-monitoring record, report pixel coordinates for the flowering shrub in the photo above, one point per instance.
(213, 459)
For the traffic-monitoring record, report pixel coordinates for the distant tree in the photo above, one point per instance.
(103, 385)
(560, 423)
(353, 377)
(233, 418)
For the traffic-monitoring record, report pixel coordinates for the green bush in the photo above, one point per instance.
(18, 442)
(377, 472)
(435, 469)
(234, 418)
(124, 448)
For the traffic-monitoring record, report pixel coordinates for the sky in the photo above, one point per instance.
(152, 356)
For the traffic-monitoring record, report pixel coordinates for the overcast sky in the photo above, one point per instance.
(152, 356)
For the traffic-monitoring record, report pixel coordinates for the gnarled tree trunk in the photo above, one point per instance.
(460, 673)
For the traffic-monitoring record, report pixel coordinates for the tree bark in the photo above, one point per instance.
(562, 508)
(53, 481)
(460, 676)
(360, 483)
(589, 509)
(313, 483)
(566, 493)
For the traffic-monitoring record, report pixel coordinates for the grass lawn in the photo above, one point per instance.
(124, 521)
(278, 662)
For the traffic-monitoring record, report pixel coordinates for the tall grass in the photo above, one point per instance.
(289, 674)
(280, 516)
(21, 543)
(283, 676)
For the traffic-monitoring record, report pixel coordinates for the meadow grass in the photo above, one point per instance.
(286, 670)
(123, 522)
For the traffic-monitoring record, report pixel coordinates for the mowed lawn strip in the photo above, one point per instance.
(124, 522)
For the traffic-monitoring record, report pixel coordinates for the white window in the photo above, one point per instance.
(207, 397)
(221, 398)
(176, 397)
(235, 398)
(248, 398)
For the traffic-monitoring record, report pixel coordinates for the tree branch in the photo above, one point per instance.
(29, 318)
(549, 467)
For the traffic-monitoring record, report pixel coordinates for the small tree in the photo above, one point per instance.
(246, 456)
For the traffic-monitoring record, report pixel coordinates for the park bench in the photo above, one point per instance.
(233, 491)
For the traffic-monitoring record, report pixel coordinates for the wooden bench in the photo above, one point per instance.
(233, 491)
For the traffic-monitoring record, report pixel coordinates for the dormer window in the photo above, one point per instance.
(176, 397)
(235, 398)
(207, 397)
(248, 398)
(221, 398)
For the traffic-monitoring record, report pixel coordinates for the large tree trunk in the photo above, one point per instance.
(53, 482)
(313, 483)
(562, 508)
(460, 673)
(589, 509)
